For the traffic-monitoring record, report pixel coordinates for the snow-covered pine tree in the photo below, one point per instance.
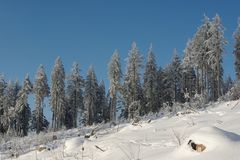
(200, 56)
(228, 84)
(41, 91)
(159, 91)
(114, 75)
(2, 93)
(176, 72)
(132, 85)
(90, 95)
(188, 77)
(22, 109)
(167, 88)
(58, 95)
(74, 97)
(215, 44)
(237, 50)
(102, 112)
(9, 103)
(150, 83)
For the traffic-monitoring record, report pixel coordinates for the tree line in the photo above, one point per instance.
(142, 89)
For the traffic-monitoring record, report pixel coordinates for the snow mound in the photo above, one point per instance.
(73, 144)
(219, 144)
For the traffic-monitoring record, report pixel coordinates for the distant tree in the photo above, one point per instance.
(114, 75)
(228, 84)
(176, 72)
(150, 83)
(41, 91)
(102, 112)
(58, 102)
(188, 72)
(33, 122)
(200, 57)
(160, 87)
(22, 109)
(237, 50)
(215, 44)
(90, 96)
(167, 88)
(9, 103)
(3, 85)
(74, 97)
(132, 89)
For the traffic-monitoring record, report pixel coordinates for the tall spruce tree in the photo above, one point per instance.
(102, 110)
(132, 93)
(176, 72)
(41, 91)
(74, 97)
(188, 72)
(150, 83)
(90, 95)
(215, 44)
(58, 95)
(22, 109)
(237, 50)
(3, 85)
(114, 75)
(9, 104)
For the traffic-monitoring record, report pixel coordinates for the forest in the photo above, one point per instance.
(191, 81)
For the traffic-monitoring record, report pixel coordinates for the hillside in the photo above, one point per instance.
(163, 138)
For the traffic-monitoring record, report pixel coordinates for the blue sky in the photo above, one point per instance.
(87, 31)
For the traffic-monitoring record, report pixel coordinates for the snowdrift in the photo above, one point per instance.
(220, 145)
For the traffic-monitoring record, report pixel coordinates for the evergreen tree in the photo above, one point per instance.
(167, 85)
(114, 75)
(102, 112)
(160, 87)
(90, 95)
(2, 93)
(216, 43)
(9, 103)
(228, 84)
(41, 90)
(58, 95)
(33, 122)
(150, 83)
(237, 50)
(74, 97)
(189, 76)
(22, 109)
(132, 93)
(200, 56)
(176, 72)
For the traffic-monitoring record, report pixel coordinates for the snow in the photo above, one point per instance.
(216, 127)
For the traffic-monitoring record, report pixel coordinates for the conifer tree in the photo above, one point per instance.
(58, 102)
(132, 93)
(237, 50)
(90, 95)
(176, 72)
(22, 109)
(150, 83)
(102, 110)
(2, 93)
(114, 75)
(74, 97)
(215, 44)
(41, 91)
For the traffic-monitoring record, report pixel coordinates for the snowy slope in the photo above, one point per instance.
(217, 127)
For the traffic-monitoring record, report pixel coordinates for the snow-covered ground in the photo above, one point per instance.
(217, 127)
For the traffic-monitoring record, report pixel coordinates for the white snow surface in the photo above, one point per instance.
(217, 127)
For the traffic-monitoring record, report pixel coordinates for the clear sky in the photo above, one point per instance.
(88, 31)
